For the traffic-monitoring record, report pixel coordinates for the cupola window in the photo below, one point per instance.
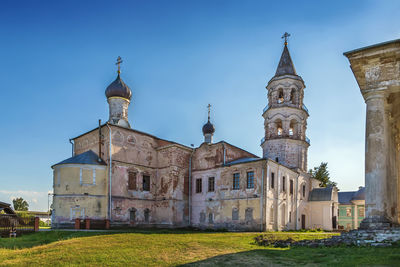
(280, 96)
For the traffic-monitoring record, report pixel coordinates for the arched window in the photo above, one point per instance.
(146, 215)
(132, 215)
(210, 218)
(293, 96)
(248, 215)
(280, 96)
(279, 129)
(235, 214)
(292, 128)
(202, 217)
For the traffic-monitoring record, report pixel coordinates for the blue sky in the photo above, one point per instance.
(58, 57)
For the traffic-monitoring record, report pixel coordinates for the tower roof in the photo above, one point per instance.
(118, 88)
(208, 128)
(285, 65)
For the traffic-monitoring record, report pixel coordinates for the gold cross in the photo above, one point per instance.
(119, 61)
(285, 35)
(209, 108)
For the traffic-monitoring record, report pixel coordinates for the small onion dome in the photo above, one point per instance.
(208, 128)
(118, 88)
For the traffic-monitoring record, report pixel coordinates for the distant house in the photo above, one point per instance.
(6, 208)
(351, 209)
(323, 206)
(43, 216)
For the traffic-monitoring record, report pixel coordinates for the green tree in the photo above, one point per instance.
(20, 204)
(321, 173)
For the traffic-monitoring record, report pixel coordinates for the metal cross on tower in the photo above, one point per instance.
(209, 108)
(119, 61)
(286, 36)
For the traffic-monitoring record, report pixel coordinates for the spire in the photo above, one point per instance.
(209, 109)
(285, 65)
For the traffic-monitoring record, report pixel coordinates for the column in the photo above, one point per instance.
(375, 160)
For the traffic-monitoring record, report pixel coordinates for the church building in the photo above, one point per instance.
(134, 179)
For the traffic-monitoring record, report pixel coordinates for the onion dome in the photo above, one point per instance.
(208, 128)
(118, 89)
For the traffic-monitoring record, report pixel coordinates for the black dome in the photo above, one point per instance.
(208, 128)
(118, 88)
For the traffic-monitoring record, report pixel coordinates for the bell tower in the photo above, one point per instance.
(285, 116)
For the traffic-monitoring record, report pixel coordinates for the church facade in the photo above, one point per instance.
(132, 178)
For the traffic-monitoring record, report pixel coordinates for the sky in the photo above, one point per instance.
(58, 57)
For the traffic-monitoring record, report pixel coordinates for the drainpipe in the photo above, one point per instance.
(262, 198)
(110, 173)
(190, 187)
(296, 201)
(72, 143)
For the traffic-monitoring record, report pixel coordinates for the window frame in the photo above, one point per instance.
(272, 185)
(250, 180)
(211, 184)
(132, 180)
(146, 184)
(236, 181)
(199, 186)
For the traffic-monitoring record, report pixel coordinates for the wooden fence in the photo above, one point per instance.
(13, 224)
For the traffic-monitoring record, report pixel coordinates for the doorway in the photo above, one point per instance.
(303, 221)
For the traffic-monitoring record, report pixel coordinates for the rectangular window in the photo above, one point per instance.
(198, 185)
(304, 190)
(361, 212)
(250, 179)
(291, 187)
(236, 181)
(290, 216)
(283, 184)
(211, 184)
(146, 183)
(131, 180)
(348, 212)
(272, 180)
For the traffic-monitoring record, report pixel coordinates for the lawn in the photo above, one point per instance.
(172, 248)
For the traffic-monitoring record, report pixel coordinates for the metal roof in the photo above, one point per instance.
(285, 65)
(347, 197)
(6, 208)
(370, 46)
(321, 194)
(243, 160)
(88, 157)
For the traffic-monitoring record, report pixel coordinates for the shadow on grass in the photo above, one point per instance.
(338, 256)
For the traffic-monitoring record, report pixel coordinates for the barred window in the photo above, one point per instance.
(236, 181)
(250, 180)
(131, 180)
(198, 185)
(211, 184)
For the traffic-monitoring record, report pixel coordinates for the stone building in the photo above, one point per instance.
(132, 178)
(377, 71)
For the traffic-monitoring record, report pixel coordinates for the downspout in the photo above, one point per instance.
(261, 199)
(267, 183)
(190, 187)
(72, 143)
(296, 201)
(110, 173)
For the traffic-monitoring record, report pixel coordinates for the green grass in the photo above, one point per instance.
(174, 247)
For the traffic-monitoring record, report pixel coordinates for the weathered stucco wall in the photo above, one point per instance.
(80, 191)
